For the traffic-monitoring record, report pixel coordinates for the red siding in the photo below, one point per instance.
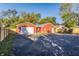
(47, 28)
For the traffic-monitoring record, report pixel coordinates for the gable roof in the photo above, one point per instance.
(38, 25)
(21, 24)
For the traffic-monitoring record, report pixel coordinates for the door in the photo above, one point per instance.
(52, 30)
(23, 30)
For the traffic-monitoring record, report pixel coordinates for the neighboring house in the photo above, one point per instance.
(29, 28)
(75, 30)
(26, 28)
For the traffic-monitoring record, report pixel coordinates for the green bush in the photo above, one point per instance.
(6, 45)
(69, 31)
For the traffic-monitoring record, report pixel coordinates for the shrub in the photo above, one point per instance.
(69, 31)
(6, 45)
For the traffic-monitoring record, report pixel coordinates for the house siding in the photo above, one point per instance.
(47, 28)
(75, 30)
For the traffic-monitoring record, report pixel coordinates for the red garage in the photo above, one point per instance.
(46, 28)
(26, 28)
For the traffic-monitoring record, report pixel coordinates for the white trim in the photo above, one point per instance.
(52, 30)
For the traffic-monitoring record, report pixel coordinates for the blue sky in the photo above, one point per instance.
(45, 9)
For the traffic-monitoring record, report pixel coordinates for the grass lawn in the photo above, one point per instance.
(6, 45)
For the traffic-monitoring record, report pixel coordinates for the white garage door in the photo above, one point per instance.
(30, 30)
(52, 30)
(27, 30)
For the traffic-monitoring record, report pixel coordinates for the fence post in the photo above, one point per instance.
(0, 33)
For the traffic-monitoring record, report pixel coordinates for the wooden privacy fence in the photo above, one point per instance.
(3, 33)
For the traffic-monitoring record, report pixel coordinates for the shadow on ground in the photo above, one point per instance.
(47, 45)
